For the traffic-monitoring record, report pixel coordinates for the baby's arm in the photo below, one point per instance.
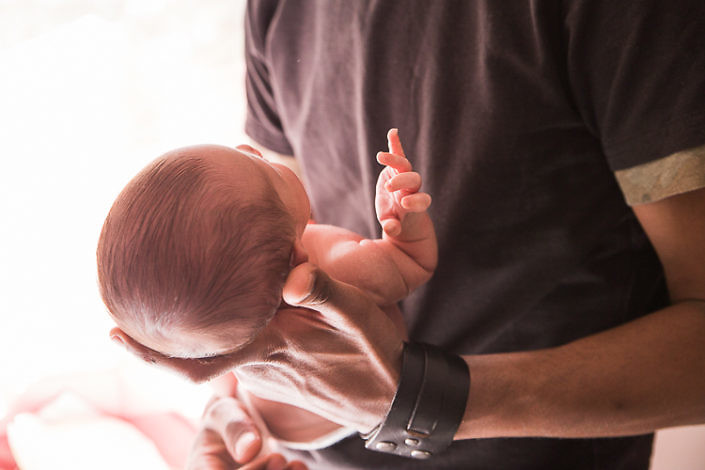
(401, 210)
(406, 255)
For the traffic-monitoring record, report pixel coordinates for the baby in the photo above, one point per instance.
(195, 250)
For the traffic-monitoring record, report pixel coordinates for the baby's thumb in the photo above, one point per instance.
(247, 445)
(240, 435)
(391, 227)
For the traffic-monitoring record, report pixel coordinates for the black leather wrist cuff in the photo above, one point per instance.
(428, 406)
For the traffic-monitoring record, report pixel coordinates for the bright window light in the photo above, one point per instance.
(90, 92)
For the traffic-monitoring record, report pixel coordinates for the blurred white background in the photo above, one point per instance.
(91, 91)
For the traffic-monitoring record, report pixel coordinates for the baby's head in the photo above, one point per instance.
(195, 250)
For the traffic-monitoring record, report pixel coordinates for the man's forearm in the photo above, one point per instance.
(633, 379)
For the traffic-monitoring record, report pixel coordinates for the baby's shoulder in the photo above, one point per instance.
(320, 239)
(320, 233)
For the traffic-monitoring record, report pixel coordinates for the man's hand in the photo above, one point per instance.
(397, 189)
(338, 357)
(228, 439)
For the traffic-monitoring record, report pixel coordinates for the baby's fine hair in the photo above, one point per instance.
(183, 249)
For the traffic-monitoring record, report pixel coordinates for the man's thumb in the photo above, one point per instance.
(344, 306)
(307, 286)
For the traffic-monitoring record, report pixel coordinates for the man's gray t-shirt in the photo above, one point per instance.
(516, 114)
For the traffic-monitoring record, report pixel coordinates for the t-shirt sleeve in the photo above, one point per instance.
(262, 122)
(637, 74)
(675, 174)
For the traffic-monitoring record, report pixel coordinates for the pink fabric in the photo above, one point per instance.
(170, 432)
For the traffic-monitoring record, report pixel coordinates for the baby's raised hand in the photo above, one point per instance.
(397, 189)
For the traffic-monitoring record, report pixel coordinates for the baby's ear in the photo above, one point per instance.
(139, 350)
(249, 149)
(195, 370)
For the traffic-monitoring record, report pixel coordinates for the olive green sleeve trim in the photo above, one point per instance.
(675, 174)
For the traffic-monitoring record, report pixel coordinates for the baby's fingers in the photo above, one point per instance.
(409, 181)
(394, 142)
(398, 162)
(417, 202)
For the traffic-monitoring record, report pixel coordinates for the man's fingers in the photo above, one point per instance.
(394, 142)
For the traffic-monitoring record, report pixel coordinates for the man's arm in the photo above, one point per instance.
(633, 379)
(644, 375)
(636, 378)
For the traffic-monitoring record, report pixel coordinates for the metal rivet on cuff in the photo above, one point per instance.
(385, 446)
(421, 454)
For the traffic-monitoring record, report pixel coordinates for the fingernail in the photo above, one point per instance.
(310, 286)
(117, 340)
(301, 289)
(243, 444)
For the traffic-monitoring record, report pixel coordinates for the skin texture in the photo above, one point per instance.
(228, 436)
(633, 379)
(183, 260)
(387, 268)
(636, 378)
(408, 248)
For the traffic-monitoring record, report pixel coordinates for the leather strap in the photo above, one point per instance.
(428, 406)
